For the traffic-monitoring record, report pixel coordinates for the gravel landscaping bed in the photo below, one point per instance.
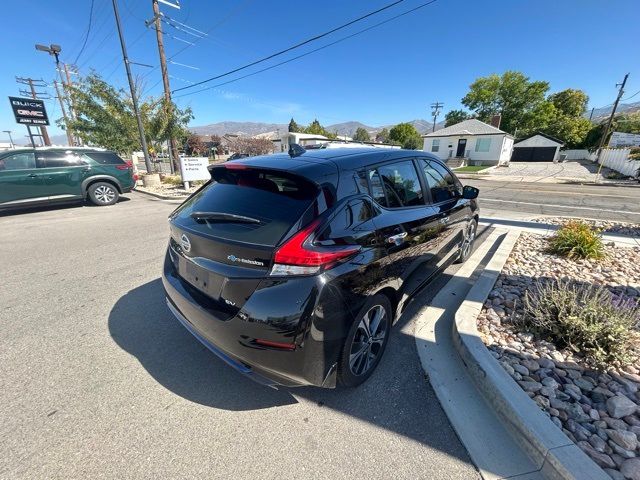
(168, 190)
(614, 228)
(598, 410)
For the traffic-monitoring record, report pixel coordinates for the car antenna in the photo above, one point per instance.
(296, 150)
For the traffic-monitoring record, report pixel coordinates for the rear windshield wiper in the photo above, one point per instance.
(223, 217)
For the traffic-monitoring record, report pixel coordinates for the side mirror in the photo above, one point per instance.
(469, 192)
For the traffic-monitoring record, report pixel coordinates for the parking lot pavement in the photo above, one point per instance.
(99, 381)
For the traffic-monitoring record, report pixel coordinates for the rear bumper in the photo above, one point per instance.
(265, 315)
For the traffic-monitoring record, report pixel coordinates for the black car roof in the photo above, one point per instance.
(342, 158)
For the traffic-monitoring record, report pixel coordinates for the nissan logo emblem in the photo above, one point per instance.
(185, 243)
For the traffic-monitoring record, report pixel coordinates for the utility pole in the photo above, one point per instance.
(435, 111)
(173, 148)
(35, 95)
(64, 113)
(613, 112)
(591, 116)
(8, 132)
(132, 88)
(55, 50)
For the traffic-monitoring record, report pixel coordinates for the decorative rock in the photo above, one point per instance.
(556, 421)
(593, 413)
(550, 382)
(573, 391)
(631, 469)
(626, 440)
(597, 443)
(602, 459)
(546, 363)
(531, 365)
(575, 412)
(521, 369)
(542, 401)
(620, 406)
(570, 365)
(548, 391)
(584, 384)
(615, 423)
(530, 386)
(614, 474)
(632, 420)
(621, 451)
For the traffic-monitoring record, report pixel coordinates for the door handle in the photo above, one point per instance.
(397, 237)
(32, 175)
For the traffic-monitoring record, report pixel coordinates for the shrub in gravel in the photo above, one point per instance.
(589, 320)
(577, 239)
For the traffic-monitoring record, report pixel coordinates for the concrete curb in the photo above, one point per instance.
(556, 456)
(162, 197)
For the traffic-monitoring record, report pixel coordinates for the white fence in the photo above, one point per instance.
(618, 159)
(578, 155)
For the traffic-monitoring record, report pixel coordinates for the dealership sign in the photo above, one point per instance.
(29, 111)
(194, 168)
(620, 139)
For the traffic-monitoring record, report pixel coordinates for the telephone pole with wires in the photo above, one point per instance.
(33, 83)
(157, 19)
(435, 111)
(64, 113)
(132, 88)
(609, 122)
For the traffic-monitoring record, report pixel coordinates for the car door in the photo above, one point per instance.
(62, 172)
(410, 228)
(20, 181)
(445, 195)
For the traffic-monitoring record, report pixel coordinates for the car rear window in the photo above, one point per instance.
(277, 200)
(105, 158)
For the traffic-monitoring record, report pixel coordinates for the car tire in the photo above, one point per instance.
(103, 194)
(466, 247)
(363, 348)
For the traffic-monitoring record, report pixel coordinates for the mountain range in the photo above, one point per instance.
(344, 128)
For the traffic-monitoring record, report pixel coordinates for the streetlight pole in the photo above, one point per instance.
(8, 132)
(132, 88)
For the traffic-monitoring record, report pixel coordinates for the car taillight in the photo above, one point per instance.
(123, 167)
(299, 257)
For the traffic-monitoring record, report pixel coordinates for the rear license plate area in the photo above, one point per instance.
(204, 280)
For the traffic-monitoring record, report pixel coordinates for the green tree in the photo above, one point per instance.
(511, 94)
(406, 135)
(105, 118)
(195, 145)
(456, 116)
(361, 135)
(294, 127)
(315, 128)
(563, 118)
(570, 102)
(383, 136)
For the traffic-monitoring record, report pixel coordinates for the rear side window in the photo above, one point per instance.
(105, 158)
(60, 159)
(347, 220)
(18, 161)
(275, 200)
(441, 183)
(397, 185)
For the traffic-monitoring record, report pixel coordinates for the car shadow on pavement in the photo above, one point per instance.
(397, 397)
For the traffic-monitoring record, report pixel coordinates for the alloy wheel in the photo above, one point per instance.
(467, 241)
(104, 194)
(368, 340)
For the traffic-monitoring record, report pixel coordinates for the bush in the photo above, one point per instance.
(577, 239)
(635, 153)
(172, 179)
(588, 320)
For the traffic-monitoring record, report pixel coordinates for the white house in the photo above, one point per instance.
(537, 148)
(476, 141)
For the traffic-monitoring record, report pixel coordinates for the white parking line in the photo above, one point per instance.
(559, 206)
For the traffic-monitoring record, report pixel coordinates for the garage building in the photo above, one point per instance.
(537, 148)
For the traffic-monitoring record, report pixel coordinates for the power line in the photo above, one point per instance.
(630, 97)
(86, 37)
(359, 32)
(297, 45)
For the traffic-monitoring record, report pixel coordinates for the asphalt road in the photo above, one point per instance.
(98, 380)
(605, 202)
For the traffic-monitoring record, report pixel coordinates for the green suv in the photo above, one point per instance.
(35, 176)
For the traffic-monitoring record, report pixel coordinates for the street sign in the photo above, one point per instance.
(29, 111)
(194, 168)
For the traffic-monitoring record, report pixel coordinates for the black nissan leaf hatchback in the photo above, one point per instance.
(291, 268)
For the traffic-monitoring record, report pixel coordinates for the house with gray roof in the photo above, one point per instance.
(472, 142)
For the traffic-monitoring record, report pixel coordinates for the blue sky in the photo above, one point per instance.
(386, 75)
